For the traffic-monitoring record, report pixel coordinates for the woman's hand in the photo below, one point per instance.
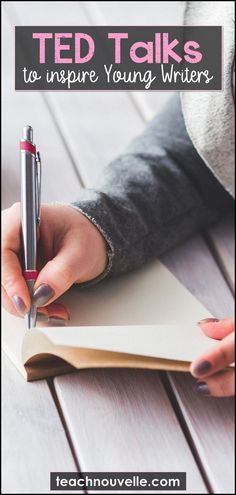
(210, 370)
(70, 249)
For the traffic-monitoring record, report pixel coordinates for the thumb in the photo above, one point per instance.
(57, 276)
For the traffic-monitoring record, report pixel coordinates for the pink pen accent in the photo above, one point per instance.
(30, 274)
(26, 146)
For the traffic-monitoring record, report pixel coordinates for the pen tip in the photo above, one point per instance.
(27, 321)
(30, 318)
(28, 133)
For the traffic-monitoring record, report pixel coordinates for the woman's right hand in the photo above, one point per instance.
(70, 249)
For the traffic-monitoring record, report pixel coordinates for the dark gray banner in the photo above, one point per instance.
(118, 58)
(97, 481)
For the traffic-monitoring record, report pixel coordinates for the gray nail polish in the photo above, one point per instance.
(202, 388)
(202, 368)
(19, 305)
(42, 295)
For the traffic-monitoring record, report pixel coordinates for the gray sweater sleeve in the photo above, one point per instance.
(154, 195)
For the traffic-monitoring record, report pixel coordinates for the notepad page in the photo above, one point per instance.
(150, 295)
(172, 342)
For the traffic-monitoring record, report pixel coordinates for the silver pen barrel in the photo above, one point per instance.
(29, 213)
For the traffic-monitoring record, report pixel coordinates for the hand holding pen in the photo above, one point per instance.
(70, 248)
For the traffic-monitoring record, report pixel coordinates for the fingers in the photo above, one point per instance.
(221, 384)
(208, 368)
(54, 310)
(54, 314)
(57, 275)
(217, 329)
(16, 298)
(215, 360)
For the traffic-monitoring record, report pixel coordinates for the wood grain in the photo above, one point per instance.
(211, 423)
(34, 441)
(222, 242)
(123, 421)
(127, 14)
(22, 108)
(95, 132)
(70, 13)
(91, 123)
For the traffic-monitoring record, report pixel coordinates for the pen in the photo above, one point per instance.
(30, 211)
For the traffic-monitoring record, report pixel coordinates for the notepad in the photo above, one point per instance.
(146, 319)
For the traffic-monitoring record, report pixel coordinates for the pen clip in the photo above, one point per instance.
(38, 185)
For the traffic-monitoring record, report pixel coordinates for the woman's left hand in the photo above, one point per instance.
(209, 369)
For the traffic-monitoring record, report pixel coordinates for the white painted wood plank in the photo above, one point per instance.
(122, 420)
(34, 441)
(138, 14)
(211, 422)
(222, 240)
(92, 123)
(60, 181)
(45, 13)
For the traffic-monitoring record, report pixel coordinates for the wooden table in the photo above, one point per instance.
(108, 420)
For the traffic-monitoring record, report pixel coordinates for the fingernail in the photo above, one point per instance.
(201, 368)
(19, 305)
(208, 320)
(202, 388)
(43, 294)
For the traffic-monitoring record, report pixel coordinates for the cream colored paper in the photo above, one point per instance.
(144, 319)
